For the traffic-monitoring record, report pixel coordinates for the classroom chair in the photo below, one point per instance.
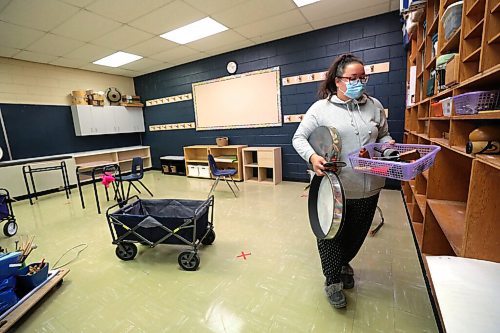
(218, 174)
(136, 175)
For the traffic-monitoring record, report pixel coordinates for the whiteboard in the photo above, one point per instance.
(239, 101)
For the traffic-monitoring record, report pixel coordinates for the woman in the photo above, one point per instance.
(359, 119)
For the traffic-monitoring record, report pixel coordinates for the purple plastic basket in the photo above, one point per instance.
(394, 170)
(473, 102)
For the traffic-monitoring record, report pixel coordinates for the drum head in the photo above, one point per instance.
(326, 142)
(326, 205)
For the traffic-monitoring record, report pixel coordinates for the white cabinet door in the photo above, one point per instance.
(103, 120)
(82, 119)
(136, 117)
(122, 118)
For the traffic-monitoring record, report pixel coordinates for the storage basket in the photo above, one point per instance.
(394, 170)
(447, 104)
(473, 102)
(437, 109)
(452, 19)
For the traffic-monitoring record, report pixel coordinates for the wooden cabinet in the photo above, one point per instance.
(227, 157)
(262, 164)
(99, 120)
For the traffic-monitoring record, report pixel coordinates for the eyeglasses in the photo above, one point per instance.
(354, 80)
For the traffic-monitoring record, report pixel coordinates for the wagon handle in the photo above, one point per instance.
(121, 203)
(208, 202)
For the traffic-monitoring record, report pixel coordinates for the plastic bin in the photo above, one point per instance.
(437, 109)
(447, 105)
(6, 261)
(452, 19)
(473, 102)
(26, 283)
(193, 171)
(204, 171)
(8, 298)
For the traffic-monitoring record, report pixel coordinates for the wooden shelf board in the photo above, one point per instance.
(495, 39)
(450, 216)
(430, 63)
(494, 114)
(474, 7)
(461, 150)
(414, 133)
(439, 118)
(421, 199)
(94, 164)
(441, 141)
(423, 136)
(474, 56)
(476, 31)
(423, 118)
(452, 43)
(252, 165)
(420, 74)
(488, 77)
(443, 93)
(433, 26)
(448, 2)
(496, 8)
(425, 174)
(418, 229)
(421, 46)
(492, 160)
(197, 161)
(252, 180)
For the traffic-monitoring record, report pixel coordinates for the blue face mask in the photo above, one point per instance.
(354, 90)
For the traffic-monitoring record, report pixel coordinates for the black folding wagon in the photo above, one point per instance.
(162, 221)
(6, 214)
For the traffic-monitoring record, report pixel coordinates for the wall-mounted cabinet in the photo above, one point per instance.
(99, 120)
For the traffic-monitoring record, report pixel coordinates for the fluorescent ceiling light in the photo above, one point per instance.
(117, 59)
(194, 31)
(301, 3)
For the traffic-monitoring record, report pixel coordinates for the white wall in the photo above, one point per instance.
(24, 82)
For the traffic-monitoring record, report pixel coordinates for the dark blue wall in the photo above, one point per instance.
(375, 39)
(40, 130)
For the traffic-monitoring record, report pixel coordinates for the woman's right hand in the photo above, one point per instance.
(317, 164)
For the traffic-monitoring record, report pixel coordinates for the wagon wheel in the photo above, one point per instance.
(126, 251)
(189, 260)
(209, 238)
(10, 228)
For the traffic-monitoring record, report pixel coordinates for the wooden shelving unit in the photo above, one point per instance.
(262, 164)
(453, 205)
(226, 157)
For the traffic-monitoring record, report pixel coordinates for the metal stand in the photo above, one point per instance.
(28, 170)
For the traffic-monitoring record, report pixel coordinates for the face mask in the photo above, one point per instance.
(354, 90)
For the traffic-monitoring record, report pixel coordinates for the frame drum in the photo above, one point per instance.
(326, 205)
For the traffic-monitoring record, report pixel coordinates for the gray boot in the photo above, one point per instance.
(335, 295)
(347, 276)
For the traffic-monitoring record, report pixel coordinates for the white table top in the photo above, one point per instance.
(468, 293)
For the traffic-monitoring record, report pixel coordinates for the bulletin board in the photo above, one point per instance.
(246, 100)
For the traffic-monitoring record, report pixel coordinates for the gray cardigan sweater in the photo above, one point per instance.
(358, 123)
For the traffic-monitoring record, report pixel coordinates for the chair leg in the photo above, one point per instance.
(214, 185)
(147, 189)
(234, 183)
(228, 184)
(130, 182)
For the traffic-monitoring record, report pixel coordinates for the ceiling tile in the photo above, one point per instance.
(283, 33)
(78, 3)
(151, 46)
(17, 37)
(42, 15)
(351, 16)
(189, 59)
(213, 6)
(156, 68)
(97, 68)
(122, 37)
(251, 11)
(55, 45)
(125, 10)
(172, 16)
(174, 54)
(35, 57)
(86, 26)
(215, 41)
(326, 9)
(231, 47)
(272, 24)
(7, 51)
(65, 62)
(141, 64)
(89, 53)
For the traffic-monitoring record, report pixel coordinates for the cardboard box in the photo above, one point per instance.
(451, 76)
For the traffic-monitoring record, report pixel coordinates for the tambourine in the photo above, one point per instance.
(326, 202)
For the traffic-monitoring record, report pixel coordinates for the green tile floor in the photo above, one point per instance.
(278, 288)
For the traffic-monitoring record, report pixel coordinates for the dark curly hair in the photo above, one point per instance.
(328, 87)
